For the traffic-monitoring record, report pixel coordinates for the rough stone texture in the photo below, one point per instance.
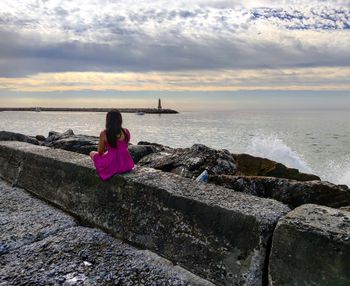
(58, 252)
(346, 208)
(290, 192)
(24, 219)
(12, 136)
(254, 166)
(215, 233)
(69, 141)
(187, 162)
(311, 246)
(190, 162)
(137, 152)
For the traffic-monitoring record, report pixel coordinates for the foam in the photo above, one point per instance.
(273, 148)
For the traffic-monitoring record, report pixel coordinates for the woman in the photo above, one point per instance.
(115, 139)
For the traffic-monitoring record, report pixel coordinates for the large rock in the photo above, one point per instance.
(220, 235)
(290, 192)
(190, 162)
(255, 166)
(69, 141)
(137, 152)
(311, 246)
(12, 136)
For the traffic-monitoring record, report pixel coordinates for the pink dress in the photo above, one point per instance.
(116, 160)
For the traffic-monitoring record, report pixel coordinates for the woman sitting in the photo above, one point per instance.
(113, 156)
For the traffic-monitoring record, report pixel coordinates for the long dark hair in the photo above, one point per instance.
(114, 129)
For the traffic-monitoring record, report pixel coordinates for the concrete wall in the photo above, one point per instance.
(311, 246)
(216, 233)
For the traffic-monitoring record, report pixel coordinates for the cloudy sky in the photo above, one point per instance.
(198, 52)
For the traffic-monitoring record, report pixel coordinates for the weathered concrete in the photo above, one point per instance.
(215, 233)
(311, 246)
(290, 192)
(40, 245)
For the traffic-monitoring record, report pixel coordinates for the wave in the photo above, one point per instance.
(274, 148)
(337, 172)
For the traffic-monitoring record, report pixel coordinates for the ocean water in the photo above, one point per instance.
(314, 141)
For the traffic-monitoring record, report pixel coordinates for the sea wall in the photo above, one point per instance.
(311, 246)
(216, 233)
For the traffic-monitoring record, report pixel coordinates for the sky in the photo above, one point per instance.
(192, 54)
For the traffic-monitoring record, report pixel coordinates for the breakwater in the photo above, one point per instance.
(123, 110)
(41, 245)
(219, 234)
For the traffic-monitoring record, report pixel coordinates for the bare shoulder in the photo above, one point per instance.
(103, 134)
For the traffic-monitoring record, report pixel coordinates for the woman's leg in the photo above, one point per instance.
(92, 154)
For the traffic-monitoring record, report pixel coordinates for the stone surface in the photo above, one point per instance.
(47, 247)
(190, 162)
(24, 219)
(137, 152)
(254, 166)
(311, 246)
(187, 162)
(217, 234)
(290, 192)
(12, 136)
(69, 141)
(40, 137)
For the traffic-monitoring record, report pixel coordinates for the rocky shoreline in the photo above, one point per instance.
(255, 221)
(240, 172)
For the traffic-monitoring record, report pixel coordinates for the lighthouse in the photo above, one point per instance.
(159, 104)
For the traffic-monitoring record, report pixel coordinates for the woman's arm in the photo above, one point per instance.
(101, 143)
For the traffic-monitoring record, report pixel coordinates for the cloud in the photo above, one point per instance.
(223, 80)
(136, 36)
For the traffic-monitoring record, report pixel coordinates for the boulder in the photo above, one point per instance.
(40, 137)
(12, 136)
(290, 192)
(191, 162)
(255, 166)
(311, 246)
(137, 152)
(69, 141)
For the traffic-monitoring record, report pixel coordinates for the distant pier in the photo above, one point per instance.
(123, 110)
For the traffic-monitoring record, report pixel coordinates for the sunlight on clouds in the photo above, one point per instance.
(264, 79)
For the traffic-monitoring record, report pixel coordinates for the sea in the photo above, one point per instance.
(313, 141)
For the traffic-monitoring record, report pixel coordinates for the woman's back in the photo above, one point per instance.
(116, 159)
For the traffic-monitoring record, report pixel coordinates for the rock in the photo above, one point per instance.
(254, 166)
(12, 136)
(69, 141)
(187, 162)
(290, 192)
(346, 208)
(40, 137)
(173, 216)
(311, 246)
(137, 152)
(191, 162)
